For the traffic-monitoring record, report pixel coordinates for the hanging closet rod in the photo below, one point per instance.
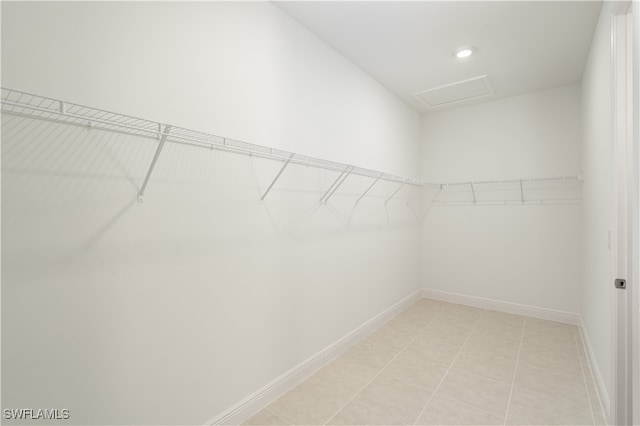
(24, 104)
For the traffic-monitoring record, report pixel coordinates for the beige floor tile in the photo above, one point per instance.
(467, 356)
(509, 345)
(423, 311)
(485, 345)
(410, 367)
(464, 310)
(417, 320)
(506, 333)
(548, 371)
(442, 411)
(461, 318)
(445, 333)
(312, 402)
(540, 339)
(425, 308)
(408, 324)
(430, 304)
(548, 358)
(390, 336)
(370, 355)
(433, 302)
(557, 386)
(411, 322)
(444, 321)
(488, 365)
(503, 319)
(532, 409)
(477, 391)
(349, 376)
(535, 340)
(566, 331)
(434, 350)
(360, 412)
(266, 418)
(428, 322)
(397, 400)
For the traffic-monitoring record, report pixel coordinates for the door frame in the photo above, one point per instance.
(625, 357)
(635, 215)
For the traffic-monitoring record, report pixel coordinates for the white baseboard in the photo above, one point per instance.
(508, 307)
(250, 405)
(603, 392)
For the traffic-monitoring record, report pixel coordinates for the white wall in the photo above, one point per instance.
(170, 311)
(597, 220)
(524, 254)
(243, 71)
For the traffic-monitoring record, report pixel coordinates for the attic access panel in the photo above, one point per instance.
(465, 90)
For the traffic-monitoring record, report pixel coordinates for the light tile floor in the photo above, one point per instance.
(439, 363)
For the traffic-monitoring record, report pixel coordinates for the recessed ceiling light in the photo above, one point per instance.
(464, 52)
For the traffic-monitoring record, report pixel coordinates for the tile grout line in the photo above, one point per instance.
(485, 378)
(387, 364)
(450, 365)
(584, 378)
(473, 406)
(278, 415)
(515, 371)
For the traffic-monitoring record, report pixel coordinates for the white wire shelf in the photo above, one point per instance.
(19, 103)
(512, 191)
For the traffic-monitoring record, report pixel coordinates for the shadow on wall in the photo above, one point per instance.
(70, 185)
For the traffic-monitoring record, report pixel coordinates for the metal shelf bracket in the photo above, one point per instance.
(163, 139)
(369, 188)
(394, 193)
(336, 184)
(284, 166)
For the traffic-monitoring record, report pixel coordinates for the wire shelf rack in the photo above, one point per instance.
(513, 191)
(19, 103)
(26, 104)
